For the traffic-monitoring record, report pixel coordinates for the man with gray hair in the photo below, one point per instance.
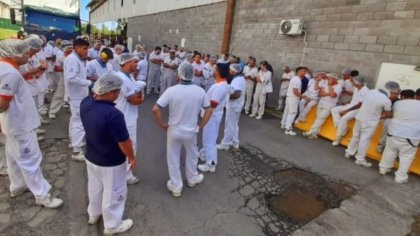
(376, 106)
(185, 102)
(18, 120)
(343, 114)
(107, 152)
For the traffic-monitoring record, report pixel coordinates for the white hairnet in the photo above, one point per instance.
(392, 86)
(139, 86)
(138, 46)
(235, 67)
(332, 75)
(126, 57)
(34, 42)
(66, 44)
(142, 55)
(43, 38)
(186, 71)
(107, 83)
(359, 80)
(13, 47)
(119, 46)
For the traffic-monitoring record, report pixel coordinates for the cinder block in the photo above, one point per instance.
(328, 45)
(385, 15)
(341, 46)
(394, 49)
(365, 16)
(410, 41)
(348, 17)
(396, 6)
(368, 39)
(404, 14)
(412, 50)
(415, 5)
(351, 39)
(357, 46)
(323, 38)
(374, 48)
(386, 39)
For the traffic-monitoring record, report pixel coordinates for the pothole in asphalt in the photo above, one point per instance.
(281, 197)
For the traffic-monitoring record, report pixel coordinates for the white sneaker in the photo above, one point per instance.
(40, 131)
(346, 155)
(306, 134)
(79, 156)
(235, 146)
(40, 138)
(207, 168)
(19, 192)
(52, 116)
(384, 171)
(246, 112)
(198, 180)
(45, 122)
(363, 163)
(222, 147)
(202, 155)
(3, 172)
(133, 180)
(313, 136)
(49, 202)
(290, 132)
(252, 115)
(283, 127)
(171, 189)
(258, 117)
(65, 106)
(93, 219)
(336, 143)
(43, 112)
(124, 227)
(400, 181)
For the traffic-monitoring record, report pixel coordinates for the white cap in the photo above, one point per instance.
(13, 47)
(127, 57)
(107, 83)
(186, 71)
(34, 42)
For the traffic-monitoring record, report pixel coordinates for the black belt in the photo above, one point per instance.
(408, 140)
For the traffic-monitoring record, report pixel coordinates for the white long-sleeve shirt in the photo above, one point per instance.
(75, 77)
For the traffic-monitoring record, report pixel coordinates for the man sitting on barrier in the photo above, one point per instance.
(329, 95)
(311, 97)
(376, 106)
(403, 136)
(343, 114)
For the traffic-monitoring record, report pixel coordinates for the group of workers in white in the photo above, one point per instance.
(105, 86)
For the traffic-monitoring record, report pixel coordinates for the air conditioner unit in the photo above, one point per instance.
(291, 27)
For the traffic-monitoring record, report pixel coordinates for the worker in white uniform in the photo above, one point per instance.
(50, 56)
(100, 66)
(115, 62)
(377, 105)
(329, 95)
(343, 114)
(384, 131)
(250, 74)
(78, 88)
(310, 97)
(129, 100)
(263, 88)
(182, 53)
(185, 102)
(233, 109)
(288, 74)
(292, 101)
(403, 136)
(153, 79)
(348, 88)
(170, 68)
(198, 66)
(208, 72)
(58, 99)
(224, 59)
(3, 161)
(217, 94)
(18, 120)
(107, 151)
(142, 67)
(95, 51)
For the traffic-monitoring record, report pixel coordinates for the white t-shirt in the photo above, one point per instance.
(208, 74)
(238, 84)
(75, 77)
(359, 95)
(374, 104)
(93, 53)
(328, 101)
(185, 102)
(311, 92)
(219, 92)
(181, 55)
(128, 88)
(96, 68)
(295, 83)
(347, 85)
(22, 115)
(286, 77)
(405, 122)
(251, 72)
(142, 66)
(171, 62)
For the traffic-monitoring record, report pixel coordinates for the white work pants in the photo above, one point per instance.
(153, 79)
(305, 107)
(175, 141)
(359, 143)
(341, 122)
(107, 191)
(284, 86)
(210, 133)
(168, 80)
(290, 112)
(258, 106)
(77, 132)
(24, 164)
(322, 114)
(132, 132)
(231, 133)
(384, 132)
(248, 94)
(58, 99)
(52, 80)
(3, 162)
(401, 148)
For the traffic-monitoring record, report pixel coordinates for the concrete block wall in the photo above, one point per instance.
(359, 34)
(202, 27)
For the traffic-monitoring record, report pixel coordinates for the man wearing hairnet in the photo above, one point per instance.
(185, 102)
(170, 66)
(130, 98)
(107, 151)
(403, 136)
(77, 86)
(376, 106)
(233, 109)
(343, 114)
(18, 120)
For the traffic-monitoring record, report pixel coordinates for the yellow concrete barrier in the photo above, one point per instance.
(328, 132)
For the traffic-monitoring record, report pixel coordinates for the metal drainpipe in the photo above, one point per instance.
(230, 13)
